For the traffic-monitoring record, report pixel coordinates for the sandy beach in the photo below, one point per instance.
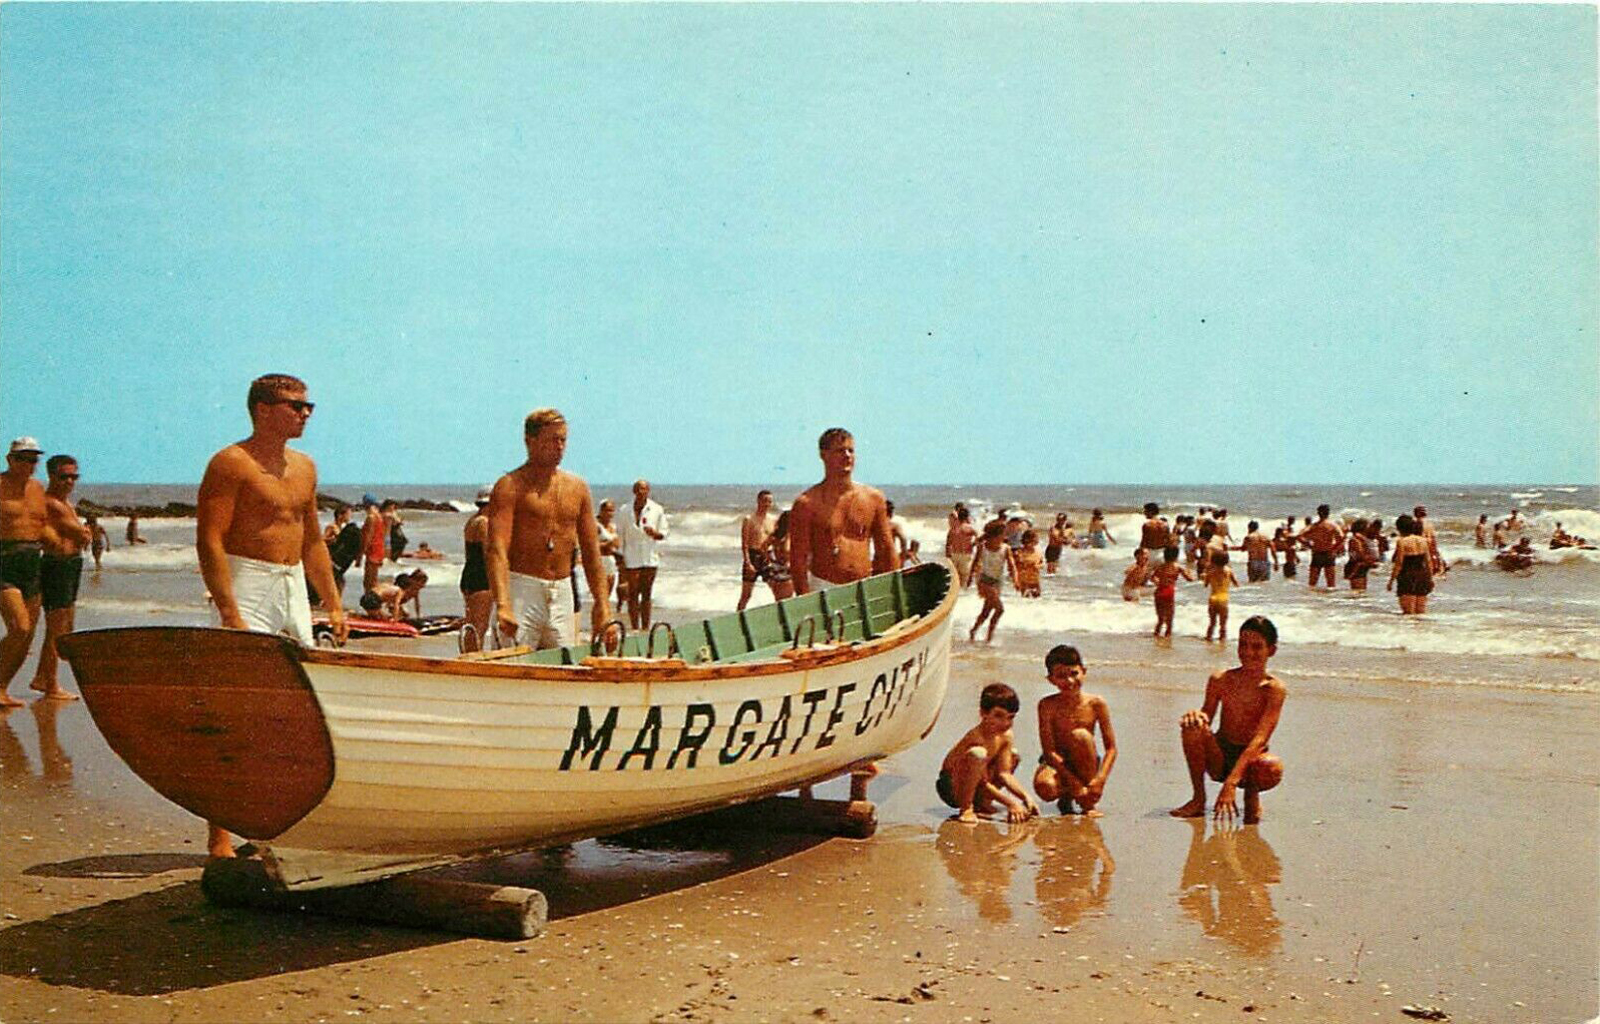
(1433, 846)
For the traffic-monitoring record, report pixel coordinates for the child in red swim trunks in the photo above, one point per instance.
(1165, 578)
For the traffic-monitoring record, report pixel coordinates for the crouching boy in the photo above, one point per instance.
(977, 771)
(1235, 754)
(1070, 768)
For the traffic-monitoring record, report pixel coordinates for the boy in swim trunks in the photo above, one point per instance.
(99, 539)
(977, 771)
(1137, 573)
(1218, 577)
(1028, 561)
(1325, 539)
(1165, 578)
(1070, 769)
(1250, 702)
(1261, 554)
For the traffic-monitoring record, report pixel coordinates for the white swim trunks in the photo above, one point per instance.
(271, 598)
(544, 611)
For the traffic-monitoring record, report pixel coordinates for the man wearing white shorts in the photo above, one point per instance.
(270, 598)
(538, 515)
(543, 610)
(257, 526)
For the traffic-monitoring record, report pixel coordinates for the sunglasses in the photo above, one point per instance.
(26, 457)
(297, 404)
(68, 476)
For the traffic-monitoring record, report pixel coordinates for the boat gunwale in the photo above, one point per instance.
(643, 670)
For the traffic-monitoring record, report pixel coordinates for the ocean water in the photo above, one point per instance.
(1484, 626)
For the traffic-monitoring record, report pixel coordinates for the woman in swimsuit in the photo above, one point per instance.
(1411, 567)
(994, 563)
(1361, 556)
(779, 579)
(1098, 534)
(475, 593)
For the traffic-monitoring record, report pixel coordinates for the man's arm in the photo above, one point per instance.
(219, 492)
(800, 544)
(656, 531)
(589, 549)
(747, 540)
(1047, 738)
(318, 566)
(1019, 804)
(59, 517)
(501, 515)
(885, 557)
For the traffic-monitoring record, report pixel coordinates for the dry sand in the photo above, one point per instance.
(1431, 845)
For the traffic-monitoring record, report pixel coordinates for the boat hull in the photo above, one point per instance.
(434, 760)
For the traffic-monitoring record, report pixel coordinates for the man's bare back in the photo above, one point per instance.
(266, 497)
(1322, 535)
(1257, 545)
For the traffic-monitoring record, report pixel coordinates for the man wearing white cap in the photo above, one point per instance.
(256, 531)
(23, 513)
(475, 592)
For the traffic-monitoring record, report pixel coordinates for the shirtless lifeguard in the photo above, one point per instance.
(755, 530)
(1250, 701)
(60, 571)
(538, 515)
(257, 534)
(840, 528)
(23, 515)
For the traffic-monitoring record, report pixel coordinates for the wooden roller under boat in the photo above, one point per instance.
(345, 766)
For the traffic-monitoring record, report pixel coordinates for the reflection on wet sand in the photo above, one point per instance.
(1236, 865)
(56, 766)
(1067, 884)
(981, 859)
(14, 764)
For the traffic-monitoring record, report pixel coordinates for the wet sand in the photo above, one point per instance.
(1430, 845)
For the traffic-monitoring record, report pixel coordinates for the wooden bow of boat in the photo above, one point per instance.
(209, 748)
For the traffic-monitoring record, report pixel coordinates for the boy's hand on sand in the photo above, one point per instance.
(1226, 810)
(1016, 811)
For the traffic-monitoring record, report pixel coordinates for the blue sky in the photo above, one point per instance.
(1026, 244)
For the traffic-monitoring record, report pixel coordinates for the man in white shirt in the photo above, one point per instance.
(641, 530)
